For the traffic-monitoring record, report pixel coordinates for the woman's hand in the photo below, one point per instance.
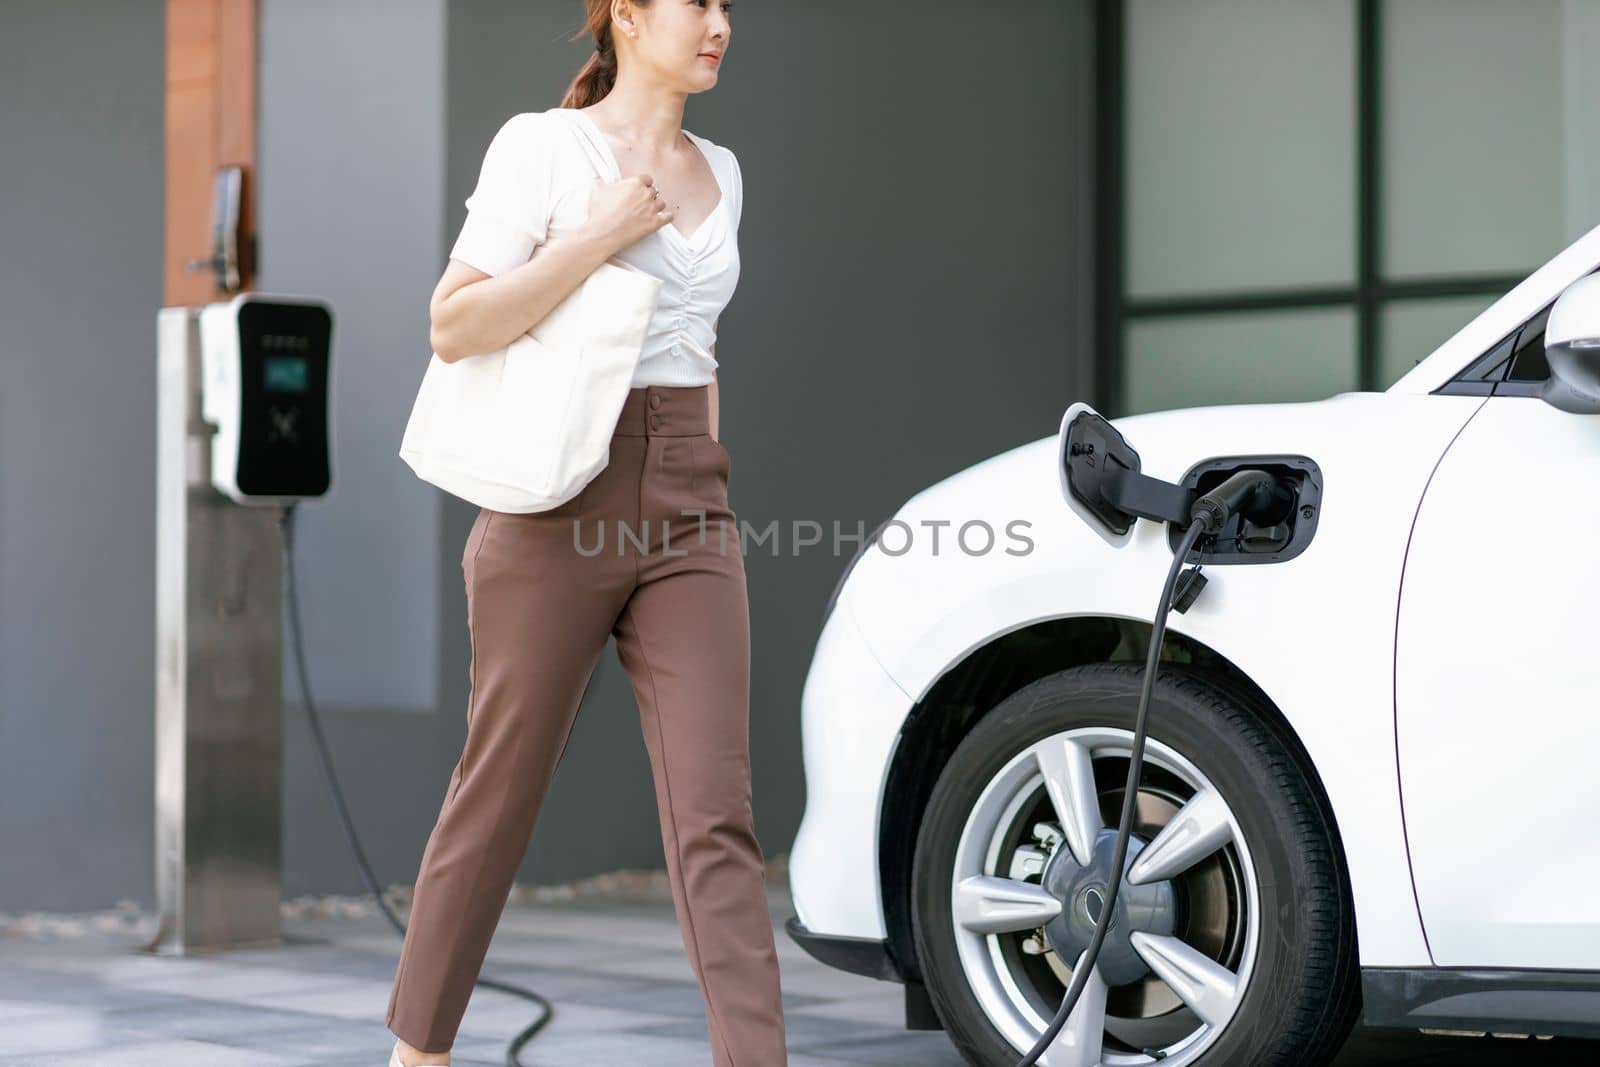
(626, 211)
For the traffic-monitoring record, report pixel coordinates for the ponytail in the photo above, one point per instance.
(599, 74)
(593, 82)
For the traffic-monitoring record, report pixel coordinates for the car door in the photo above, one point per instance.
(1497, 692)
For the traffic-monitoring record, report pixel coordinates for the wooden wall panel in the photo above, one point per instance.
(210, 123)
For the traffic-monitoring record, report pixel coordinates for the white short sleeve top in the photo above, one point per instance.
(534, 184)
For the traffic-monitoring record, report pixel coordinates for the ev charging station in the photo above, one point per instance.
(242, 433)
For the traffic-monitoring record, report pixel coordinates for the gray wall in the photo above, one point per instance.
(81, 210)
(914, 297)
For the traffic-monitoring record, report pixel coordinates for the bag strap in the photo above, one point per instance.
(598, 159)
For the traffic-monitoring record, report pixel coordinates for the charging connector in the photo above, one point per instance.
(1253, 494)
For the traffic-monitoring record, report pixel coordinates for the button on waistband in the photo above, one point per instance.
(665, 410)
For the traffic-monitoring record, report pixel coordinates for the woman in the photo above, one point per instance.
(667, 580)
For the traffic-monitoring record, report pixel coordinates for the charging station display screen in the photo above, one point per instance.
(283, 398)
(284, 374)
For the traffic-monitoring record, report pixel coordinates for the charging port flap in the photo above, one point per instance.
(1091, 455)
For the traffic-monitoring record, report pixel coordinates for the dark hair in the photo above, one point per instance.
(599, 74)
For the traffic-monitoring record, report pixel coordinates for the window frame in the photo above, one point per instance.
(1490, 374)
(1368, 296)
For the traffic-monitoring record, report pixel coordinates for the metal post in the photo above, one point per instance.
(219, 681)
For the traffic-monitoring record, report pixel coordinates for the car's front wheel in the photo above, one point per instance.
(1232, 939)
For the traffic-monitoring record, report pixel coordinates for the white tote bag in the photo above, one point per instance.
(525, 428)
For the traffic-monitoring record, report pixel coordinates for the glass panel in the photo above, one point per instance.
(1240, 145)
(1495, 364)
(1473, 172)
(1409, 331)
(1580, 36)
(1238, 358)
(1530, 363)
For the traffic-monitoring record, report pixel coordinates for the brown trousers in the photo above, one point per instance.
(630, 556)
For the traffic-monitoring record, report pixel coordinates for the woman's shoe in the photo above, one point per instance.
(394, 1056)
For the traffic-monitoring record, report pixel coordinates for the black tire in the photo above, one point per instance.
(1303, 995)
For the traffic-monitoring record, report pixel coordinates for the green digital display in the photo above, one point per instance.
(285, 374)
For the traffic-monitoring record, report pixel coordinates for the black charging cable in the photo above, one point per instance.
(1080, 974)
(1248, 491)
(286, 526)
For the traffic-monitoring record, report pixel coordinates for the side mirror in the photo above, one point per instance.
(1572, 348)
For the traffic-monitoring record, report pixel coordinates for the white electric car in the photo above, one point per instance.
(1370, 788)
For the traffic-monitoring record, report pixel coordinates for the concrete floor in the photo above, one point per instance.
(83, 994)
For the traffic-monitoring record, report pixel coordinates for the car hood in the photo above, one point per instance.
(923, 594)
